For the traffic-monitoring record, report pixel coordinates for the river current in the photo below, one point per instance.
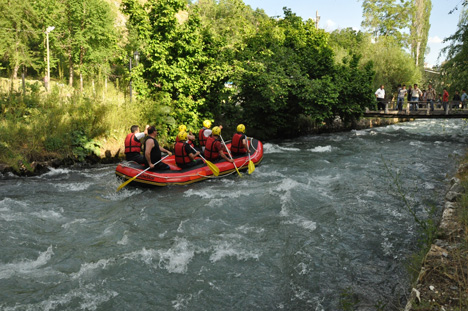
(316, 225)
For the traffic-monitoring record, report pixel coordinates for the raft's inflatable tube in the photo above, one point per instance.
(178, 176)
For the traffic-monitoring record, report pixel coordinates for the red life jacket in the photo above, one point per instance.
(210, 151)
(131, 145)
(181, 156)
(189, 141)
(236, 145)
(201, 138)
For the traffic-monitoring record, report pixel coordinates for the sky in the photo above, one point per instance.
(339, 14)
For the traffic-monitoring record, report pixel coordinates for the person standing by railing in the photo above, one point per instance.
(464, 97)
(415, 96)
(401, 97)
(408, 94)
(445, 99)
(456, 100)
(380, 95)
(431, 96)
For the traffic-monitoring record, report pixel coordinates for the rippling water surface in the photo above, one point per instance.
(316, 222)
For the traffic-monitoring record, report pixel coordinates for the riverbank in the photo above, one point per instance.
(442, 283)
(112, 149)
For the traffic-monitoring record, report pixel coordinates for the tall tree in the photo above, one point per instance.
(178, 55)
(19, 32)
(387, 18)
(420, 13)
(455, 69)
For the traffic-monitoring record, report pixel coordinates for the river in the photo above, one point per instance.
(317, 225)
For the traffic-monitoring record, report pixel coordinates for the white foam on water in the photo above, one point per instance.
(284, 191)
(6, 203)
(47, 215)
(302, 222)
(245, 229)
(25, 266)
(66, 187)
(55, 171)
(76, 221)
(148, 256)
(268, 173)
(177, 258)
(10, 209)
(91, 268)
(321, 149)
(387, 247)
(302, 269)
(274, 148)
(180, 227)
(89, 296)
(125, 192)
(429, 186)
(182, 302)
(210, 194)
(232, 248)
(124, 239)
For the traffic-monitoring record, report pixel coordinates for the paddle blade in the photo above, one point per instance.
(251, 167)
(125, 183)
(213, 168)
(240, 175)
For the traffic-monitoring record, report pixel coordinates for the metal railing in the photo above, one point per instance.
(426, 106)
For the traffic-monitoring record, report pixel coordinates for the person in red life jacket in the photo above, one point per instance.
(190, 136)
(239, 144)
(153, 151)
(214, 149)
(133, 144)
(202, 137)
(184, 154)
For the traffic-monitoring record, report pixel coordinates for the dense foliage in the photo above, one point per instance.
(455, 69)
(220, 60)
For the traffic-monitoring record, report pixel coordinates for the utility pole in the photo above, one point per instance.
(317, 19)
(136, 56)
(47, 78)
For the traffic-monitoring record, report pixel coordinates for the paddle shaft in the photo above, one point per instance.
(229, 152)
(134, 177)
(210, 165)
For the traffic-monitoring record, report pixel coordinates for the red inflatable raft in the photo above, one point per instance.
(178, 176)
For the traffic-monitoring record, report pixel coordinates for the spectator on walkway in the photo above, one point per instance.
(456, 100)
(380, 95)
(464, 97)
(401, 97)
(431, 96)
(415, 96)
(445, 99)
(408, 94)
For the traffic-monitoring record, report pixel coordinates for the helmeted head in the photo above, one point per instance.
(182, 128)
(207, 124)
(216, 131)
(182, 135)
(241, 128)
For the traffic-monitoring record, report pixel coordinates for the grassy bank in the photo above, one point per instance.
(65, 124)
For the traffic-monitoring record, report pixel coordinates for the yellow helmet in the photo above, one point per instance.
(216, 131)
(207, 124)
(182, 136)
(241, 128)
(182, 128)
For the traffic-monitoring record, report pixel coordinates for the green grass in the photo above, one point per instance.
(63, 123)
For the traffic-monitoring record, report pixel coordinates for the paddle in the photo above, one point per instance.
(212, 167)
(133, 178)
(229, 152)
(251, 164)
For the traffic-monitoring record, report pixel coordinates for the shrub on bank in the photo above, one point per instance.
(40, 126)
